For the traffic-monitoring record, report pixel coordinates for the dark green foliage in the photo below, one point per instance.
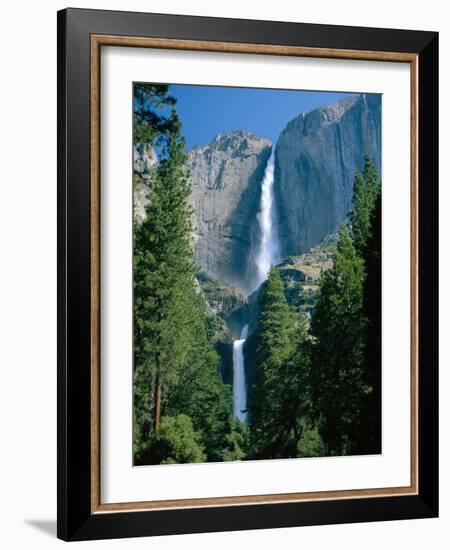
(371, 413)
(200, 391)
(369, 248)
(237, 441)
(163, 271)
(310, 444)
(282, 366)
(175, 442)
(338, 328)
(152, 113)
(179, 396)
(347, 330)
(366, 189)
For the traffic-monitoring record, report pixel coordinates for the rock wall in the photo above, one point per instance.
(316, 158)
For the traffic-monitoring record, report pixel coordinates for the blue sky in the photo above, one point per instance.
(206, 111)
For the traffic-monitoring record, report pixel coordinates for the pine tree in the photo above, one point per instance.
(152, 106)
(338, 329)
(200, 392)
(370, 421)
(366, 230)
(275, 426)
(163, 268)
(366, 189)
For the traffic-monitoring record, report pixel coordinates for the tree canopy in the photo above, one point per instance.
(282, 362)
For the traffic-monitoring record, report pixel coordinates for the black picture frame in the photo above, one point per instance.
(75, 518)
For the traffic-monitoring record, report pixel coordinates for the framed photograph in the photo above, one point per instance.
(247, 254)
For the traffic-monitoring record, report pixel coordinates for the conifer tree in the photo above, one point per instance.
(200, 392)
(163, 268)
(370, 421)
(275, 407)
(366, 230)
(366, 189)
(152, 107)
(338, 329)
(163, 265)
(175, 368)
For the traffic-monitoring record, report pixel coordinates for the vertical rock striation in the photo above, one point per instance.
(317, 155)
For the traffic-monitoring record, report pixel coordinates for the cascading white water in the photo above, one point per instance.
(239, 385)
(268, 253)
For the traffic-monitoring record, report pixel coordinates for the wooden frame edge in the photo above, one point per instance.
(414, 277)
(95, 272)
(261, 49)
(236, 47)
(249, 500)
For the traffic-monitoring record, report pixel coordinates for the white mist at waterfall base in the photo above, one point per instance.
(239, 384)
(268, 253)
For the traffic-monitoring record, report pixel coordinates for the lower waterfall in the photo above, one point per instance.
(239, 384)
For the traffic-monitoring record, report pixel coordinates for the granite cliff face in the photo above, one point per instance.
(226, 179)
(316, 158)
(226, 188)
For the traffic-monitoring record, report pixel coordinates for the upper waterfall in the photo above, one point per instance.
(268, 251)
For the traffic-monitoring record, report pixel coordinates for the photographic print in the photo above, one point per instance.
(256, 273)
(238, 347)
